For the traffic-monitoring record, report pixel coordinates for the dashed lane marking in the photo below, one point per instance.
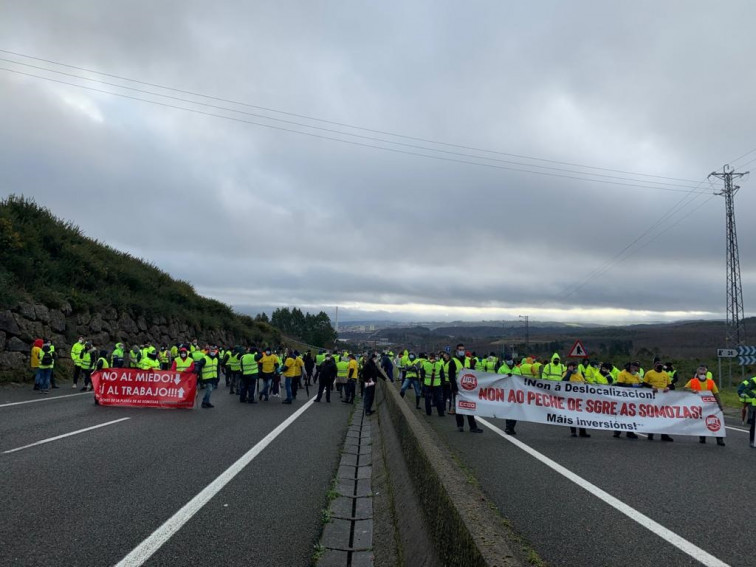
(65, 435)
(46, 399)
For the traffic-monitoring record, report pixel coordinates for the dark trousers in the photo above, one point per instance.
(509, 424)
(434, 396)
(295, 386)
(87, 374)
(247, 385)
(232, 380)
(470, 421)
(350, 389)
(324, 385)
(76, 372)
(369, 395)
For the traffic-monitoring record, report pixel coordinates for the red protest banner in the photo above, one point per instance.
(144, 388)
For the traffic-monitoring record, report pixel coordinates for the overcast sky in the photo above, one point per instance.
(431, 205)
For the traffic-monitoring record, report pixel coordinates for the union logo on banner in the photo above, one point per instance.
(713, 423)
(468, 381)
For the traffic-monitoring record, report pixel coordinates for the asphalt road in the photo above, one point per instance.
(701, 493)
(93, 497)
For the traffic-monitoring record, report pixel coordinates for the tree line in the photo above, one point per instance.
(315, 330)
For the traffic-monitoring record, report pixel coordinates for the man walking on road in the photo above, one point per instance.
(456, 364)
(76, 349)
(326, 375)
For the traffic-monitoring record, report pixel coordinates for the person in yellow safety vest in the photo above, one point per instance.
(586, 369)
(249, 370)
(508, 368)
(699, 383)
(36, 354)
(572, 374)
(432, 374)
(404, 362)
(604, 374)
(88, 360)
(319, 359)
(411, 378)
(747, 394)
(76, 349)
(268, 365)
(490, 364)
(150, 361)
(209, 366)
(183, 362)
(164, 357)
(535, 369)
(233, 369)
(292, 372)
(526, 367)
(135, 355)
(554, 370)
(657, 379)
(46, 364)
(350, 387)
(342, 376)
(629, 378)
(174, 352)
(117, 356)
(615, 372)
(194, 346)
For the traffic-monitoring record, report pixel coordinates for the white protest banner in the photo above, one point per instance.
(593, 406)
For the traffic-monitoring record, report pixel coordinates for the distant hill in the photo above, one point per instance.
(56, 282)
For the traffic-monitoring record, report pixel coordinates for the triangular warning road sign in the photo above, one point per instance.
(577, 351)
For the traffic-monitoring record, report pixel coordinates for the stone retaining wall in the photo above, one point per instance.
(20, 326)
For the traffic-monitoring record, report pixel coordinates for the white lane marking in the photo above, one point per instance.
(737, 429)
(46, 399)
(65, 435)
(680, 543)
(160, 536)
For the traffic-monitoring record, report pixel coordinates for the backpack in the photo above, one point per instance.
(47, 358)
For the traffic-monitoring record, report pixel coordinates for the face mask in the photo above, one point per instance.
(702, 375)
(460, 353)
(267, 352)
(183, 355)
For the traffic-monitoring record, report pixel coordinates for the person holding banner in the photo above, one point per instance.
(658, 379)
(456, 364)
(508, 367)
(554, 370)
(700, 383)
(183, 363)
(629, 378)
(572, 375)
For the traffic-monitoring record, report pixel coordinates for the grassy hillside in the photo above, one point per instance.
(49, 261)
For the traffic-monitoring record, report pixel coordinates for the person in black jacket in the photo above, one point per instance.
(370, 374)
(326, 376)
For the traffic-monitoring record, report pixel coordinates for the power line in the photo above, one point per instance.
(330, 130)
(624, 252)
(220, 99)
(352, 142)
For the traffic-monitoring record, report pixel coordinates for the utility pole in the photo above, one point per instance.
(524, 319)
(734, 326)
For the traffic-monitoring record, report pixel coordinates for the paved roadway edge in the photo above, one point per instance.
(462, 526)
